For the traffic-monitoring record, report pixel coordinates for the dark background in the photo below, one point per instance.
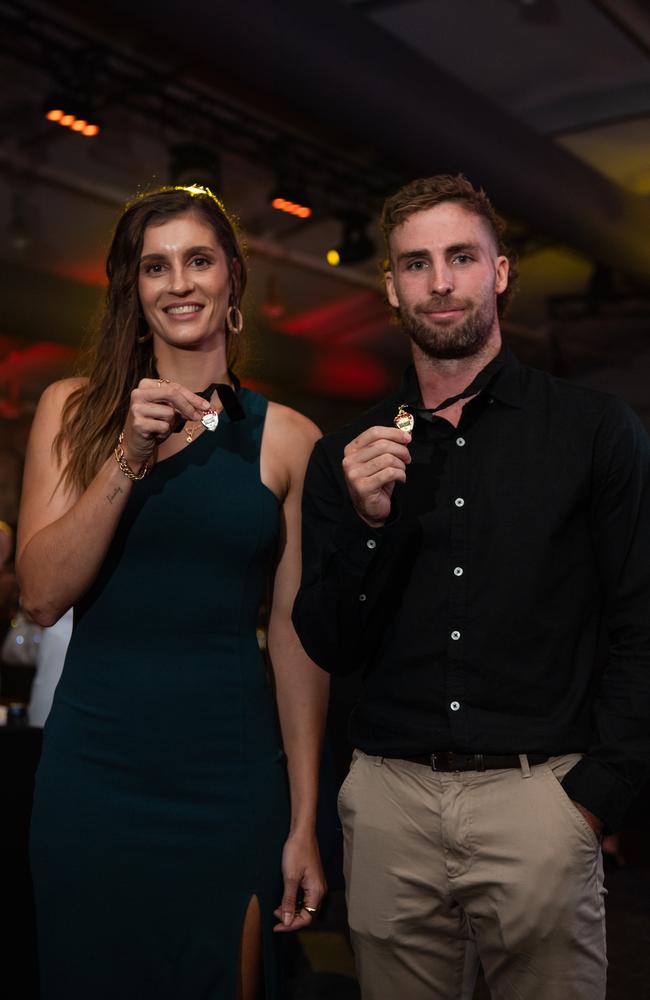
(546, 103)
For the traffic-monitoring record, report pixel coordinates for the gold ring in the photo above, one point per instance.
(310, 909)
(163, 381)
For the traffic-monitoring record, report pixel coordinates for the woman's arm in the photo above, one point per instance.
(63, 535)
(301, 687)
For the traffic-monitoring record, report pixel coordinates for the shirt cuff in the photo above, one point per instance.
(358, 542)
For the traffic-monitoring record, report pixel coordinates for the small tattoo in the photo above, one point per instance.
(118, 489)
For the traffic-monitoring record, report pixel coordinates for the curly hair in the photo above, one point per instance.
(425, 192)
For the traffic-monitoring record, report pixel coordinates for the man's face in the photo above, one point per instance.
(445, 276)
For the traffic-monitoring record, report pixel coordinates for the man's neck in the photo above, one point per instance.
(441, 378)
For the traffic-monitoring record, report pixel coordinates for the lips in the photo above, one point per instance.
(440, 313)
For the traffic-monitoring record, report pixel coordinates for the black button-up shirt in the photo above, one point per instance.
(505, 605)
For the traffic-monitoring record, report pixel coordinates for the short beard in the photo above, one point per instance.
(460, 341)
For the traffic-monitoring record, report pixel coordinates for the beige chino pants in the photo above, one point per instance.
(437, 860)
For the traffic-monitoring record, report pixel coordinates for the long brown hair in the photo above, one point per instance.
(122, 353)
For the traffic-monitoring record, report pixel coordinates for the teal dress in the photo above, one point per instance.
(161, 802)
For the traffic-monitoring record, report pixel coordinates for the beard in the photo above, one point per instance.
(450, 340)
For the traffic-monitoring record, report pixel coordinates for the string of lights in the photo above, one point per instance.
(96, 79)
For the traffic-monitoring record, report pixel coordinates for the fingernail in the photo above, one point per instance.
(286, 918)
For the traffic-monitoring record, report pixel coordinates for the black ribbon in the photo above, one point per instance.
(477, 385)
(226, 393)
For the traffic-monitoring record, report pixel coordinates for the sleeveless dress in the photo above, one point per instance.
(161, 801)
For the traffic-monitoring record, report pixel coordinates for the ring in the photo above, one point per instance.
(310, 909)
(162, 381)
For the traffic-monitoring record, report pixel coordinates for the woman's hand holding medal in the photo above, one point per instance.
(156, 405)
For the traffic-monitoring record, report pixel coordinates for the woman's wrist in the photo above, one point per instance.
(141, 468)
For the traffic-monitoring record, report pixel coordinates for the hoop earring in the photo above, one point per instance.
(235, 325)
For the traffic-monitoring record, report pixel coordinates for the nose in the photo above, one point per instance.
(180, 280)
(442, 281)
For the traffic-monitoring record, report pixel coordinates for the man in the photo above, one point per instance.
(490, 574)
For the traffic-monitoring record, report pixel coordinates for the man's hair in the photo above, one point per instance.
(425, 192)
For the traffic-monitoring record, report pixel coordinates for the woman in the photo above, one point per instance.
(161, 808)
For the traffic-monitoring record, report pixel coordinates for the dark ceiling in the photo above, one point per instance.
(546, 103)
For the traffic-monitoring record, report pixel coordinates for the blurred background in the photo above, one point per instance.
(302, 117)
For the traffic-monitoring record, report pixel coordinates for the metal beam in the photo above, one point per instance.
(327, 63)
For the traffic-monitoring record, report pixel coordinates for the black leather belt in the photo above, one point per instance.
(447, 760)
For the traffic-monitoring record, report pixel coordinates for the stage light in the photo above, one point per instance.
(290, 197)
(356, 246)
(71, 112)
(291, 207)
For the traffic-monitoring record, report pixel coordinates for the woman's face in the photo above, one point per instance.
(184, 282)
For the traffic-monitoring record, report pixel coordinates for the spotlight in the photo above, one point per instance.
(290, 198)
(71, 112)
(356, 246)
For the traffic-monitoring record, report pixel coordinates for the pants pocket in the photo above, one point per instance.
(555, 770)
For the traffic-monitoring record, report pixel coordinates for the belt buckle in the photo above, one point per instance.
(441, 758)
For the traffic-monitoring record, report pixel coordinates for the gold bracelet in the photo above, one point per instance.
(120, 458)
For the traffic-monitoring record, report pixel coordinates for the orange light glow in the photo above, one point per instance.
(67, 120)
(55, 114)
(291, 207)
(79, 125)
(90, 130)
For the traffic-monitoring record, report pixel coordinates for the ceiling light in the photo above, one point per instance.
(290, 197)
(71, 112)
(356, 246)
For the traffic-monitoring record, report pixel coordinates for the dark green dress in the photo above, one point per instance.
(161, 800)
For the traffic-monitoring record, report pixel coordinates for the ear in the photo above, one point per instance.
(390, 289)
(502, 272)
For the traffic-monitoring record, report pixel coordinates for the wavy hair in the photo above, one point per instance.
(122, 350)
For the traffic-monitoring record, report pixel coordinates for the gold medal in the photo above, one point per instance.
(404, 420)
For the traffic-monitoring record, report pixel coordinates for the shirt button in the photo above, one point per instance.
(455, 634)
(458, 570)
(371, 543)
(460, 442)
(362, 597)
(454, 706)
(459, 502)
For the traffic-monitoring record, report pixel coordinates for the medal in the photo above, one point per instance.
(210, 420)
(404, 420)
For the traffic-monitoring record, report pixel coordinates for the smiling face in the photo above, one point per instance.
(444, 278)
(184, 283)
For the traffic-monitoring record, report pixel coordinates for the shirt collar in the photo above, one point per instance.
(502, 376)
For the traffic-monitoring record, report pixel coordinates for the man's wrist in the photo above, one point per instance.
(594, 822)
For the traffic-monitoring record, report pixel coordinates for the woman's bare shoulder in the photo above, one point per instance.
(292, 426)
(58, 392)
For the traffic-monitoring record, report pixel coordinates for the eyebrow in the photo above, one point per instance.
(190, 252)
(454, 248)
(464, 248)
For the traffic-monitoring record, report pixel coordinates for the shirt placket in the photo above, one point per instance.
(457, 585)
